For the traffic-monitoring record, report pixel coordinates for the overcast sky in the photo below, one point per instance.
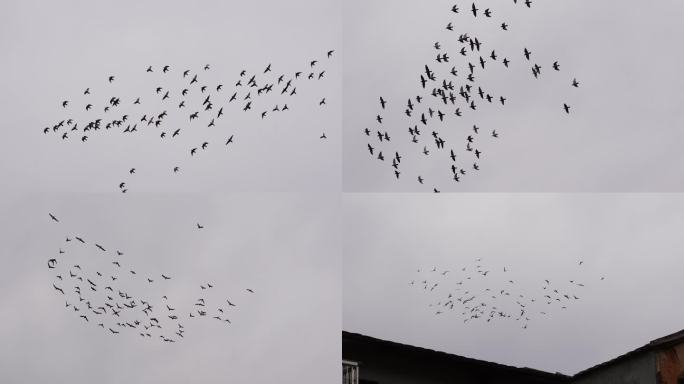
(269, 201)
(634, 241)
(54, 51)
(284, 247)
(625, 119)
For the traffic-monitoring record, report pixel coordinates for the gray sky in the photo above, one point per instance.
(283, 246)
(270, 201)
(53, 52)
(625, 120)
(633, 240)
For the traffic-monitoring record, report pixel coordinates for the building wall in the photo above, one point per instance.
(670, 364)
(639, 369)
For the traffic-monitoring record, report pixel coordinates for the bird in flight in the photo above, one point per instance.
(527, 53)
(58, 289)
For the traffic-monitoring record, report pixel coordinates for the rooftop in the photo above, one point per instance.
(432, 354)
(659, 343)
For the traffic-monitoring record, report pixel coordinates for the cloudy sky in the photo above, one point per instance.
(269, 201)
(625, 119)
(53, 52)
(285, 247)
(634, 241)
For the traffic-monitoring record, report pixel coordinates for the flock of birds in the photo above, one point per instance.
(448, 88)
(104, 291)
(190, 94)
(477, 292)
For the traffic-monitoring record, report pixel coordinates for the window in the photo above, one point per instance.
(350, 372)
